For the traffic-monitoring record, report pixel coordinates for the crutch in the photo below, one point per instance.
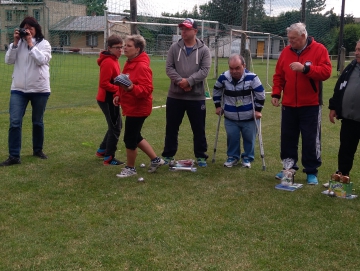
(218, 128)
(258, 128)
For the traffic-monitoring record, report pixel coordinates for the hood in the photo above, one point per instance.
(197, 46)
(143, 57)
(104, 55)
(199, 43)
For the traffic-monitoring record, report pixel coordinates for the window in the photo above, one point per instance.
(64, 39)
(20, 15)
(91, 40)
(36, 13)
(9, 15)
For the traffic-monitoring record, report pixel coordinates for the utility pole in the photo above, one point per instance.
(303, 13)
(133, 16)
(243, 35)
(341, 35)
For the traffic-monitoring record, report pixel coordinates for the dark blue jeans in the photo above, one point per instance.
(196, 112)
(18, 104)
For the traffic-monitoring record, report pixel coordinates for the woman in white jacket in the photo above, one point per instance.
(30, 54)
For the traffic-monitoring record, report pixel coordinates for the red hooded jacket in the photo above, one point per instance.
(138, 101)
(109, 69)
(302, 89)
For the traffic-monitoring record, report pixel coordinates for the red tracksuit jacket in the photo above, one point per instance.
(138, 101)
(302, 89)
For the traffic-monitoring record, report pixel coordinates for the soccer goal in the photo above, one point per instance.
(159, 35)
(261, 46)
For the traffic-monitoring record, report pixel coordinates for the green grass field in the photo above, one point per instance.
(71, 213)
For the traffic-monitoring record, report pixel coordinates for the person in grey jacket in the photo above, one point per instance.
(30, 54)
(187, 65)
(344, 105)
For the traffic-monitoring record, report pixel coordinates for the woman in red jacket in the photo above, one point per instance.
(136, 104)
(109, 69)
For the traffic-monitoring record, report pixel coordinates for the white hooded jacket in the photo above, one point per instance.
(31, 67)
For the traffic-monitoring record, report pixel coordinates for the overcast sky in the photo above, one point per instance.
(156, 7)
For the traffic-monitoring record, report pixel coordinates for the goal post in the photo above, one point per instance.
(249, 47)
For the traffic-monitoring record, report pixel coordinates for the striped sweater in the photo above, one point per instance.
(237, 104)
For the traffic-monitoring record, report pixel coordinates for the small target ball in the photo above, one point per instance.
(141, 179)
(142, 165)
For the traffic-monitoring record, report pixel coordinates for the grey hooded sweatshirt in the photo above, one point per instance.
(193, 67)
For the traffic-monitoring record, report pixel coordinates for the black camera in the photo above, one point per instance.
(23, 33)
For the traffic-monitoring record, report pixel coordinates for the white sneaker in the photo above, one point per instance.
(230, 162)
(246, 163)
(126, 172)
(154, 165)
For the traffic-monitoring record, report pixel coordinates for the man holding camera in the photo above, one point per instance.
(30, 54)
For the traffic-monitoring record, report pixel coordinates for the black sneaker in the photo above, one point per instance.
(11, 161)
(40, 154)
(112, 161)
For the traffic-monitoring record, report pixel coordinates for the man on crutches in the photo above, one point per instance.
(242, 96)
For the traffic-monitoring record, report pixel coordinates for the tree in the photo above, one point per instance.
(351, 36)
(95, 7)
(315, 6)
(349, 19)
(224, 11)
(256, 15)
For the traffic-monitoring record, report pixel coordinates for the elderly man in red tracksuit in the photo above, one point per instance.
(299, 73)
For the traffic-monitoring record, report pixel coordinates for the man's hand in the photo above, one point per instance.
(275, 102)
(219, 111)
(184, 84)
(332, 116)
(258, 115)
(296, 66)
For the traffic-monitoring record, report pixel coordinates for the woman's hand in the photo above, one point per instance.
(28, 38)
(16, 37)
(127, 89)
(116, 100)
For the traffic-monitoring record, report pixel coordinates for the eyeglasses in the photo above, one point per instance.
(117, 47)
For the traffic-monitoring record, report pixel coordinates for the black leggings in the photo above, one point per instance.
(132, 135)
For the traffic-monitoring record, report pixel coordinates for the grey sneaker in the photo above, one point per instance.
(246, 163)
(126, 172)
(157, 162)
(230, 162)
